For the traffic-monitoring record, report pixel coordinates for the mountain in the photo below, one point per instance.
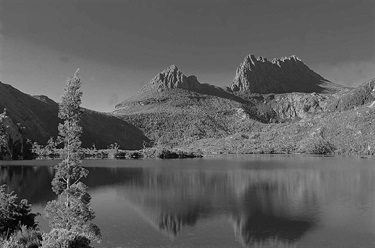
(278, 106)
(172, 78)
(39, 115)
(169, 80)
(173, 109)
(284, 75)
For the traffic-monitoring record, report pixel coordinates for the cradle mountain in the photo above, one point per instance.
(271, 106)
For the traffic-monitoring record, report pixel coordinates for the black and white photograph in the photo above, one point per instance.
(187, 123)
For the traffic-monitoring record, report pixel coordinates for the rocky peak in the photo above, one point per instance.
(280, 75)
(172, 78)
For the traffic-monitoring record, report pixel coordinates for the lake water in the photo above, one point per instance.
(245, 201)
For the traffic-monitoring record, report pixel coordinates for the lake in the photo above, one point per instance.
(233, 201)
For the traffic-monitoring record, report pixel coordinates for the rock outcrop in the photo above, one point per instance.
(172, 78)
(284, 75)
(298, 105)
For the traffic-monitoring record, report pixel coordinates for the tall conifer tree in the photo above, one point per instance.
(71, 214)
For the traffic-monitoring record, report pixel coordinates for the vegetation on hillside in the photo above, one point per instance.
(13, 142)
(178, 117)
(3, 141)
(341, 133)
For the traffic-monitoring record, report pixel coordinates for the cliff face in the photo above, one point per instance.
(284, 75)
(13, 145)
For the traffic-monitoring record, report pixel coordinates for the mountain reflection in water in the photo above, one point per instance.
(272, 207)
(264, 206)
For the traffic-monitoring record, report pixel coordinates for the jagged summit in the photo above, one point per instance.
(167, 84)
(283, 59)
(280, 75)
(251, 59)
(172, 78)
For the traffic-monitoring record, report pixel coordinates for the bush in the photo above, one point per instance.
(316, 146)
(63, 238)
(24, 238)
(13, 215)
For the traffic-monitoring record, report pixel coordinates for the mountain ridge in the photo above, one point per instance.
(280, 75)
(39, 115)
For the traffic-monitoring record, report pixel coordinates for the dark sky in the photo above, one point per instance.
(121, 45)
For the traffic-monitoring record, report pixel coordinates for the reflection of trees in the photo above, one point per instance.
(32, 183)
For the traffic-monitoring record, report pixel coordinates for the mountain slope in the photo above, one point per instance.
(39, 118)
(361, 95)
(346, 132)
(284, 75)
(39, 115)
(172, 109)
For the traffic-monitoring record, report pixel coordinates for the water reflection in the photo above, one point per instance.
(266, 207)
(32, 183)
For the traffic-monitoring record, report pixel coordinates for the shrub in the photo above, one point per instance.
(316, 146)
(63, 238)
(13, 215)
(24, 238)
